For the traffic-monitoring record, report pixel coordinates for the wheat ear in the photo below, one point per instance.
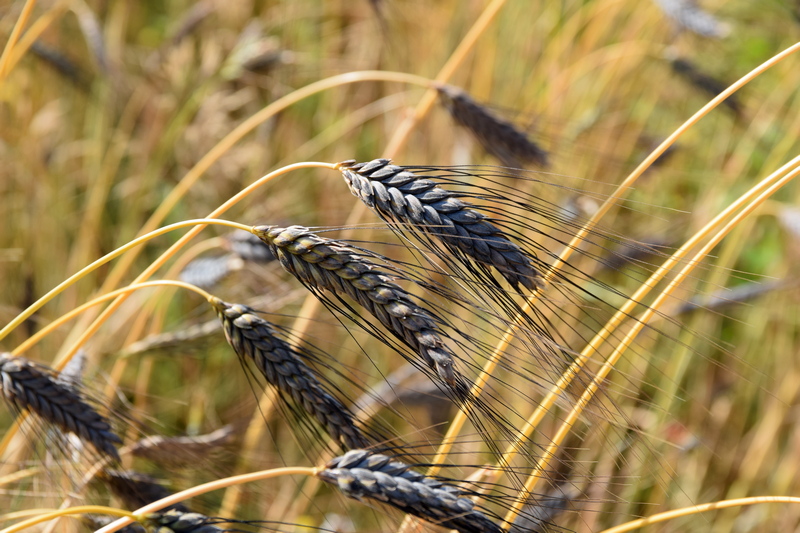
(174, 521)
(497, 136)
(363, 475)
(255, 339)
(326, 264)
(400, 196)
(29, 386)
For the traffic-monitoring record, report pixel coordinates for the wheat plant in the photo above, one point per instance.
(509, 266)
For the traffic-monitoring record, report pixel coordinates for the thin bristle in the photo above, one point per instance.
(398, 195)
(32, 387)
(363, 475)
(325, 264)
(498, 137)
(174, 451)
(255, 339)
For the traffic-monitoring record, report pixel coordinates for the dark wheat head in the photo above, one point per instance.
(255, 339)
(498, 137)
(363, 475)
(36, 388)
(328, 265)
(179, 522)
(400, 196)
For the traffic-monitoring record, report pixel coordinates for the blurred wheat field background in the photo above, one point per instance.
(108, 108)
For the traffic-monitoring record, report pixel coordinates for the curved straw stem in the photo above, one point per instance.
(208, 487)
(163, 258)
(51, 515)
(752, 204)
(105, 259)
(39, 335)
(24, 15)
(508, 336)
(396, 143)
(696, 509)
(202, 166)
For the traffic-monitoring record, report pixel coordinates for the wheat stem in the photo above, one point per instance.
(105, 259)
(39, 335)
(508, 336)
(208, 487)
(52, 515)
(642, 321)
(396, 143)
(696, 509)
(24, 15)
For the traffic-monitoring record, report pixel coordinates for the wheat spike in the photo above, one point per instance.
(325, 264)
(135, 489)
(498, 137)
(174, 521)
(398, 195)
(32, 387)
(363, 475)
(254, 338)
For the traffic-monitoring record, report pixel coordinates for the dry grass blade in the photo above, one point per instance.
(180, 522)
(398, 195)
(498, 137)
(181, 450)
(325, 264)
(687, 15)
(255, 339)
(180, 339)
(363, 475)
(28, 386)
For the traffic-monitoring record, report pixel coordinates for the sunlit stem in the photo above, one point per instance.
(105, 259)
(508, 336)
(49, 514)
(39, 335)
(753, 199)
(207, 487)
(696, 509)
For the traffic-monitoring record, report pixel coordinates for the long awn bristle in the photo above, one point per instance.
(326, 264)
(400, 196)
(255, 339)
(498, 137)
(363, 475)
(29, 386)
